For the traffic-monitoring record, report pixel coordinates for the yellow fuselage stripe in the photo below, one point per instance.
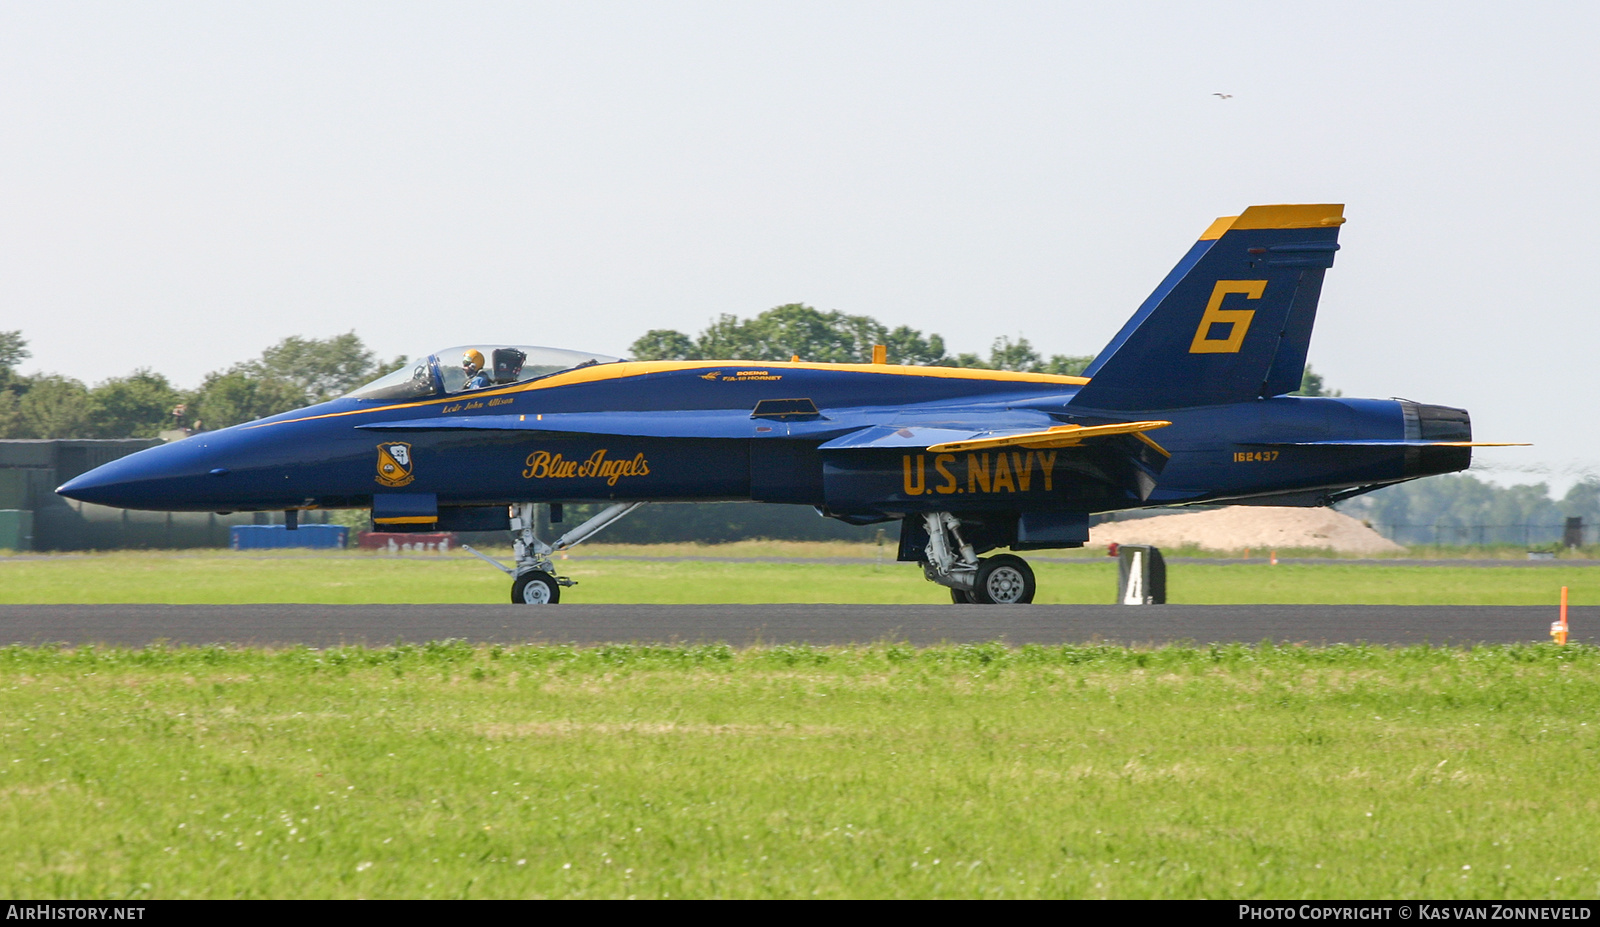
(624, 369)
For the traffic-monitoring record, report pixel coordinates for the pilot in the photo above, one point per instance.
(472, 363)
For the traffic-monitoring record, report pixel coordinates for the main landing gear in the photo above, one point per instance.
(1004, 579)
(534, 580)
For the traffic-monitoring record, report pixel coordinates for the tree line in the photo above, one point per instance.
(797, 330)
(1464, 502)
(292, 373)
(300, 371)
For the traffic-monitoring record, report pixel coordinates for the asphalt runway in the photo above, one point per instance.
(320, 626)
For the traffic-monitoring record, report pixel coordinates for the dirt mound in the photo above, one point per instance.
(1260, 527)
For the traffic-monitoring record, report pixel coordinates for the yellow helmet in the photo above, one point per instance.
(473, 359)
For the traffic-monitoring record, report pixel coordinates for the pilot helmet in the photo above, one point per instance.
(472, 360)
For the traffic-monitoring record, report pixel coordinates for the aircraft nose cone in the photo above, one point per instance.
(92, 487)
(156, 478)
(116, 484)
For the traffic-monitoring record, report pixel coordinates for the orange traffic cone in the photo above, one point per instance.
(1558, 630)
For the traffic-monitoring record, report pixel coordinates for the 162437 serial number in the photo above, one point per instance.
(1254, 456)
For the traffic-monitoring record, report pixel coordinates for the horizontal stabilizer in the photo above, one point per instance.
(1059, 436)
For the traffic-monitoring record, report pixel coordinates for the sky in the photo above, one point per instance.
(184, 184)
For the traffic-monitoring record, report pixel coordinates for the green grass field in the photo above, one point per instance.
(449, 771)
(606, 576)
(979, 771)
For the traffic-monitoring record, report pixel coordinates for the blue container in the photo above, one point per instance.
(261, 537)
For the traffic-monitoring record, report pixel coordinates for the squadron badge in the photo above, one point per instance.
(394, 464)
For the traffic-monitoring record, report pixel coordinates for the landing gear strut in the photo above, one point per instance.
(534, 579)
(1004, 579)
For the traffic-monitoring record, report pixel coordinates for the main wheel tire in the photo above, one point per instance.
(1004, 579)
(535, 587)
(960, 596)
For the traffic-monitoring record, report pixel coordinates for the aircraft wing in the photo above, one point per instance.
(914, 437)
(1059, 436)
(951, 437)
(1118, 455)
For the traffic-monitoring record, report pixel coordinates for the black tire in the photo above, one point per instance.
(535, 587)
(1004, 579)
(960, 596)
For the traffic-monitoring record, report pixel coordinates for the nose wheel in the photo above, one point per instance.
(535, 587)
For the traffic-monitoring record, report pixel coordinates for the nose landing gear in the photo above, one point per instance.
(534, 579)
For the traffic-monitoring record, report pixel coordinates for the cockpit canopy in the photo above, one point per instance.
(443, 372)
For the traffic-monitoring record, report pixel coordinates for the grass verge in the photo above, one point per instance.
(225, 577)
(976, 771)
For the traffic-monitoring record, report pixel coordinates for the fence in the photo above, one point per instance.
(1451, 535)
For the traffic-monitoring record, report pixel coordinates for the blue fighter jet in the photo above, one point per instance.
(1188, 403)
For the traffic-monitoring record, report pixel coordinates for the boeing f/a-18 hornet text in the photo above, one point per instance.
(1188, 403)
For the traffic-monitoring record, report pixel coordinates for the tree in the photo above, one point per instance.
(1311, 385)
(1462, 509)
(233, 396)
(907, 346)
(1583, 501)
(135, 406)
(292, 373)
(321, 368)
(10, 415)
(1019, 355)
(795, 329)
(1005, 354)
(54, 407)
(1068, 365)
(790, 330)
(664, 344)
(13, 351)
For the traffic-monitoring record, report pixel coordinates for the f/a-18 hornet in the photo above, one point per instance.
(1188, 403)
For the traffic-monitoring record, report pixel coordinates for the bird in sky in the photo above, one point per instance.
(1223, 96)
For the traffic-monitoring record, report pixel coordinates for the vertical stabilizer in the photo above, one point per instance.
(1232, 322)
